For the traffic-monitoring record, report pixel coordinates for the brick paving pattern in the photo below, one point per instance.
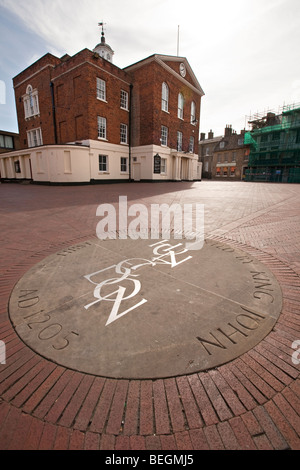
(250, 403)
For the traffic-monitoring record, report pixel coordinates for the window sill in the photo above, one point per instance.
(27, 118)
(103, 173)
(124, 109)
(124, 143)
(100, 99)
(103, 138)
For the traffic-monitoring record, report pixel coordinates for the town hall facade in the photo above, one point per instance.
(82, 119)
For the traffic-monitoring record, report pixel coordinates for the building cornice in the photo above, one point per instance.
(94, 65)
(69, 70)
(33, 75)
(197, 88)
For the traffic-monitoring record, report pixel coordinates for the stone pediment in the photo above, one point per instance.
(181, 67)
(177, 66)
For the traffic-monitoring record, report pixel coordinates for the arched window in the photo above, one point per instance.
(193, 113)
(31, 102)
(180, 105)
(165, 97)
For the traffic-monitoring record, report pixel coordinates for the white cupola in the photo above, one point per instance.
(103, 49)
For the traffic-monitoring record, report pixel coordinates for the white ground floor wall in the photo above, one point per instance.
(95, 161)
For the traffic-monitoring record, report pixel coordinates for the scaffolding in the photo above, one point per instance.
(259, 118)
(274, 146)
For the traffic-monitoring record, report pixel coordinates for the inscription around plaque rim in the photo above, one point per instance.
(165, 312)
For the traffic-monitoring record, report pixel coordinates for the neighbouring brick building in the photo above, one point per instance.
(9, 141)
(83, 119)
(206, 151)
(225, 157)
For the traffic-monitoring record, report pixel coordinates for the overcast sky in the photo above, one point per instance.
(245, 53)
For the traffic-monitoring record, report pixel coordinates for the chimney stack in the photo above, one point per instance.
(202, 136)
(210, 135)
(228, 130)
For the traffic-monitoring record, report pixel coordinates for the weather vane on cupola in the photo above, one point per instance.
(102, 25)
(103, 49)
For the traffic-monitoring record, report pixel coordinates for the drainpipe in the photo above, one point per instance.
(130, 116)
(53, 112)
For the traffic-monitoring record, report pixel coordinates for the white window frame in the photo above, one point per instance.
(179, 141)
(123, 133)
(165, 97)
(164, 136)
(34, 138)
(101, 89)
(102, 132)
(124, 164)
(103, 161)
(17, 166)
(180, 105)
(191, 144)
(193, 113)
(124, 100)
(31, 102)
(163, 166)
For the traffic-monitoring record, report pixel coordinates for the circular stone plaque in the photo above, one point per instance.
(145, 308)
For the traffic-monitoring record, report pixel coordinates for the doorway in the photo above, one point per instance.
(136, 171)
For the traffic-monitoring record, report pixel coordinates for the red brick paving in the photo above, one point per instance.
(250, 403)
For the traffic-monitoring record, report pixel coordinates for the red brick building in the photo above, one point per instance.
(224, 157)
(9, 141)
(83, 119)
(63, 98)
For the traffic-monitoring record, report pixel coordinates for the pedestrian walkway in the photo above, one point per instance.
(251, 402)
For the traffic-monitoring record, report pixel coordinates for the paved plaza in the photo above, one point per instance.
(205, 356)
